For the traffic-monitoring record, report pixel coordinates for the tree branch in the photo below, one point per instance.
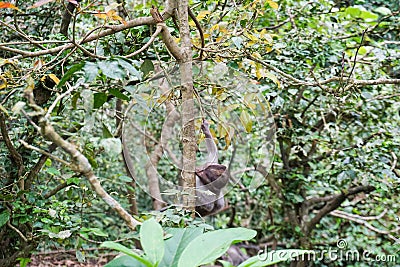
(80, 162)
(333, 204)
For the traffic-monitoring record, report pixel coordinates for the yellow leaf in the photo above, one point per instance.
(30, 84)
(4, 110)
(245, 119)
(202, 14)
(248, 98)
(222, 131)
(273, 4)
(229, 108)
(272, 77)
(192, 24)
(256, 55)
(214, 27)
(101, 15)
(3, 82)
(228, 137)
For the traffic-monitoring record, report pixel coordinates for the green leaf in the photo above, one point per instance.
(74, 99)
(73, 180)
(124, 261)
(99, 100)
(353, 11)
(246, 121)
(128, 66)
(273, 257)
(125, 250)
(106, 132)
(111, 69)
(118, 94)
(53, 171)
(23, 262)
(80, 256)
(368, 16)
(97, 232)
(91, 71)
(175, 245)
(125, 179)
(210, 246)
(383, 10)
(152, 241)
(69, 74)
(4, 217)
(147, 66)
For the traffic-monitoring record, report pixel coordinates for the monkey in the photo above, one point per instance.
(210, 178)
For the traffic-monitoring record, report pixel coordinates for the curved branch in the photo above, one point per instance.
(333, 204)
(81, 163)
(151, 40)
(110, 29)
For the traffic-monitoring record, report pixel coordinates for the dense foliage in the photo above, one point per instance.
(327, 73)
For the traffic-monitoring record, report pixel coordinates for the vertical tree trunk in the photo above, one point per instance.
(188, 131)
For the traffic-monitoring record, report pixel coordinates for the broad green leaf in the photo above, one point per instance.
(69, 74)
(383, 10)
(368, 16)
(353, 11)
(91, 71)
(4, 217)
(246, 121)
(273, 257)
(152, 241)
(147, 67)
(175, 245)
(118, 94)
(124, 261)
(210, 246)
(125, 250)
(111, 69)
(128, 66)
(99, 100)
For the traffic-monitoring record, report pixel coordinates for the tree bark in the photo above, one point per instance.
(188, 131)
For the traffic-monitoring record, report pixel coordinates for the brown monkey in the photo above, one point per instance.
(211, 178)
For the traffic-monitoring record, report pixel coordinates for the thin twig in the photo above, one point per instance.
(41, 151)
